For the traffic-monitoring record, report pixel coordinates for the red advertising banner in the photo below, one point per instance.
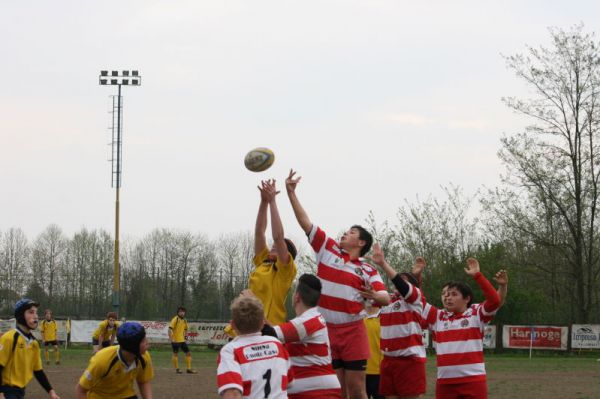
(536, 337)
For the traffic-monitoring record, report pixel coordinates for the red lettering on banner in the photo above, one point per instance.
(543, 337)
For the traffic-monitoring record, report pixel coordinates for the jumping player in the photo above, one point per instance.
(307, 342)
(346, 279)
(252, 366)
(177, 335)
(403, 367)
(48, 328)
(458, 333)
(20, 357)
(112, 371)
(105, 333)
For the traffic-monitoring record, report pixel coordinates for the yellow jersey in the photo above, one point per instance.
(374, 334)
(108, 377)
(48, 329)
(106, 330)
(20, 357)
(271, 282)
(179, 327)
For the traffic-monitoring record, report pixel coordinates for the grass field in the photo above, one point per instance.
(509, 376)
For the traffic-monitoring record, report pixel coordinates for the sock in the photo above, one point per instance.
(46, 355)
(175, 361)
(188, 361)
(57, 354)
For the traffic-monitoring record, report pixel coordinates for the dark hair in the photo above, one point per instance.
(411, 278)
(291, 248)
(181, 308)
(111, 315)
(463, 288)
(365, 236)
(309, 289)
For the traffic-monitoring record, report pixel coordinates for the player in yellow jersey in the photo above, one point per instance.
(48, 328)
(20, 357)
(112, 371)
(177, 335)
(104, 335)
(373, 326)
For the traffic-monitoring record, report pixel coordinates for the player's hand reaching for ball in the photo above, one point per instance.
(419, 266)
(291, 182)
(269, 190)
(377, 254)
(472, 267)
(501, 277)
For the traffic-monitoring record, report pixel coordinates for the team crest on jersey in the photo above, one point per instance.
(261, 351)
(358, 271)
(397, 305)
(87, 375)
(446, 325)
(464, 323)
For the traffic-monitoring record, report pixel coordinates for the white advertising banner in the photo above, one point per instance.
(61, 333)
(585, 336)
(538, 337)
(6, 325)
(82, 330)
(489, 337)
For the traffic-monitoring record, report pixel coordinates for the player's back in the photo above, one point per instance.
(256, 365)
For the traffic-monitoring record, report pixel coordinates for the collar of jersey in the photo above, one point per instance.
(28, 337)
(129, 367)
(346, 257)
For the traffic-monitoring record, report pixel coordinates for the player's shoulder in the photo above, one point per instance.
(367, 267)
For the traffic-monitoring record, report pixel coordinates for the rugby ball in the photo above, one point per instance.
(259, 159)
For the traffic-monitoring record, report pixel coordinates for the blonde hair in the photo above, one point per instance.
(247, 314)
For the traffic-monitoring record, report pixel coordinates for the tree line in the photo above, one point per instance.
(540, 223)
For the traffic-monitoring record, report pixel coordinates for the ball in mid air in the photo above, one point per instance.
(259, 159)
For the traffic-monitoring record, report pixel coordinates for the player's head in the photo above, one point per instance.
(181, 311)
(26, 313)
(247, 315)
(132, 338)
(456, 296)
(111, 317)
(308, 290)
(48, 314)
(290, 247)
(409, 278)
(357, 238)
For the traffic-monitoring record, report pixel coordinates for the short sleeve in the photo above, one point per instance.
(91, 374)
(172, 323)
(229, 372)
(147, 373)
(5, 348)
(260, 257)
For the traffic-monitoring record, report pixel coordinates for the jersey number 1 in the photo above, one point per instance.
(267, 376)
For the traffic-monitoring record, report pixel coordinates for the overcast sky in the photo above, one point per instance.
(372, 101)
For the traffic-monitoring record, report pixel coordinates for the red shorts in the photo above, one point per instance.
(467, 390)
(402, 376)
(349, 341)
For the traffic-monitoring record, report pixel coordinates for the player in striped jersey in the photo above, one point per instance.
(252, 366)
(403, 365)
(458, 334)
(347, 280)
(307, 342)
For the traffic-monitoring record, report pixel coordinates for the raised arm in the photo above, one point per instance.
(379, 259)
(276, 226)
(502, 279)
(260, 239)
(492, 300)
(301, 216)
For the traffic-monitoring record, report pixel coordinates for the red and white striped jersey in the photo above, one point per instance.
(256, 365)
(342, 278)
(459, 342)
(307, 342)
(401, 332)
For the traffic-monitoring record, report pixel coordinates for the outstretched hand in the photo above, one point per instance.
(268, 191)
(377, 254)
(291, 183)
(472, 267)
(501, 277)
(419, 266)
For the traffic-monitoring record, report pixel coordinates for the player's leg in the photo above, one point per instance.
(174, 358)
(355, 351)
(56, 353)
(339, 371)
(46, 354)
(188, 358)
(95, 345)
(372, 386)
(355, 380)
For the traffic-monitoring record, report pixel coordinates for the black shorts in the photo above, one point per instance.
(105, 344)
(182, 345)
(48, 343)
(353, 365)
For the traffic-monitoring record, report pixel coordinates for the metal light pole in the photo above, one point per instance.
(117, 78)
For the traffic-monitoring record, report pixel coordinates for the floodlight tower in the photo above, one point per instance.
(117, 78)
